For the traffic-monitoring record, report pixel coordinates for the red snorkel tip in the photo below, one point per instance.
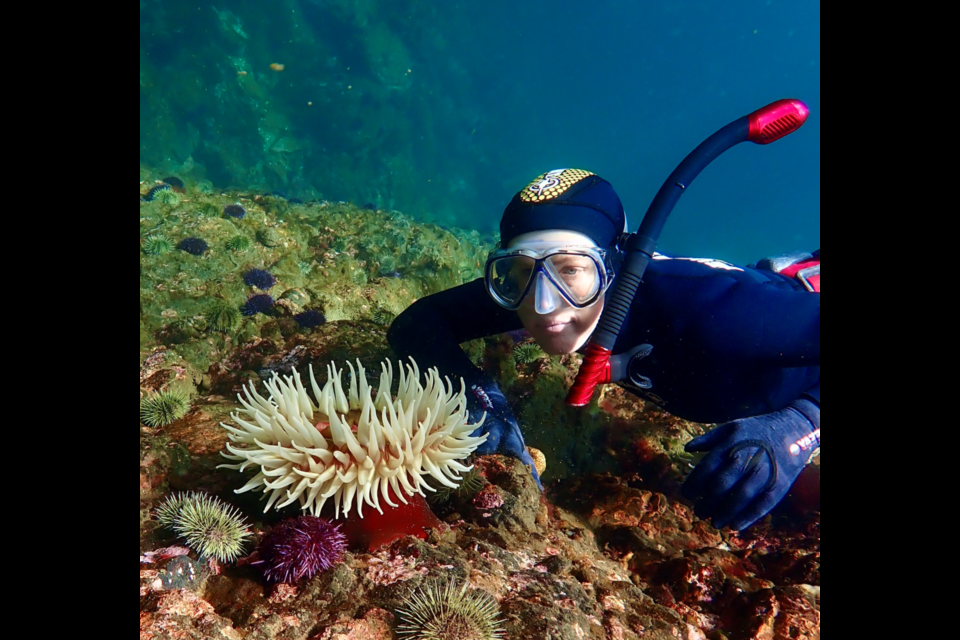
(777, 120)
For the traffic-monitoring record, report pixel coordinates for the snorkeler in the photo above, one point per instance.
(710, 342)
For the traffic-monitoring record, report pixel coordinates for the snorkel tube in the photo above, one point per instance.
(765, 126)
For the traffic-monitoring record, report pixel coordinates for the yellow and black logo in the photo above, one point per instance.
(553, 185)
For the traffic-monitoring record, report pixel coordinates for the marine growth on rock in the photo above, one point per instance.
(269, 237)
(345, 446)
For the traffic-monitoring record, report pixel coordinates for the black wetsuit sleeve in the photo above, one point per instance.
(814, 394)
(432, 329)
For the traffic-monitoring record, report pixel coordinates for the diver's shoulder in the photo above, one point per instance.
(707, 274)
(684, 267)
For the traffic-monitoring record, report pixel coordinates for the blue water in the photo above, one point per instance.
(444, 110)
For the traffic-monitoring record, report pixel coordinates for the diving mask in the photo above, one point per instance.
(578, 276)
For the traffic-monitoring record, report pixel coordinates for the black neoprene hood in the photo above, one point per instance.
(588, 205)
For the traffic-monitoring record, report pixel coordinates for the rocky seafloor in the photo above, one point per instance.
(609, 551)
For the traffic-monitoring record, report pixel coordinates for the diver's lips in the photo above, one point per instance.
(555, 328)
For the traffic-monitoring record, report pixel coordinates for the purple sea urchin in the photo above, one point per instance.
(259, 279)
(301, 548)
(235, 211)
(310, 319)
(194, 246)
(257, 304)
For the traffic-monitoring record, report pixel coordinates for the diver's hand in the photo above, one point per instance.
(749, 467)
(503, 433)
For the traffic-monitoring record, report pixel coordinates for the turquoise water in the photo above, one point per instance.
(443, 110)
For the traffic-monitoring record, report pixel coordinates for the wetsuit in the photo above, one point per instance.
(727, 342)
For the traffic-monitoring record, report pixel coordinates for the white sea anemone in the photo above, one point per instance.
(352, 447)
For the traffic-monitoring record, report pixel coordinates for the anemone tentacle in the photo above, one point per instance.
(355, 446)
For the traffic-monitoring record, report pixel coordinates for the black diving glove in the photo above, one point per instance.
(503, 433)
(752, 464)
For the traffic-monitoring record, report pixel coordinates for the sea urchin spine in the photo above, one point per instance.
(157, 245)
(235, 211)
(256, 305)
(445, 611)
(223, 317)
(239, 243)
(310, 319)
(212, 528)
(301, 548)
(163, 408)
(259, 279)
(193, 246)
(351, 448)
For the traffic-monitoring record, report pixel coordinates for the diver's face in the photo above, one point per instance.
(563, 331)
(557, 326)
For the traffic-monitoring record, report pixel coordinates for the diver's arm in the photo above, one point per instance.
(814, 394)
(432, 329)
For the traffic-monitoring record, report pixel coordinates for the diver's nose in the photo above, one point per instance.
(546, 301)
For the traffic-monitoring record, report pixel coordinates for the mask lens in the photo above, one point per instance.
(579, 275)
(510, 277)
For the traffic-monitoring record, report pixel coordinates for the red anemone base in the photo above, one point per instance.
(374, 531)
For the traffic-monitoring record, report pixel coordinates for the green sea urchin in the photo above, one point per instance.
(239, 243)
(472, 483)
(168, 197)
(168, 512)
(528, 353)
(446, 611)
(163, 408)
(157, 245)
(212, 528)
(383, 317)
(223, 317)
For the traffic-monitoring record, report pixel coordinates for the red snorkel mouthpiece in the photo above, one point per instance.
(600, 366)
(777, 121)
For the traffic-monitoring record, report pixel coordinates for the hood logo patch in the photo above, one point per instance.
(553, 185)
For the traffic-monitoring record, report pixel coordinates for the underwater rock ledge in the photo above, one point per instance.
(610, 551)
